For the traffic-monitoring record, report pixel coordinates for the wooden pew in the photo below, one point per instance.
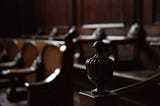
(122, 72)
(29, 68)
(137, 93)
(47, 35)
(10, 58)
(12, 54)
(55, 31)
(134, 58)
(26, 65)
(123, 75)
(57, 88)
(133, 48)
(84, 50)
(128, 75)
(26, 68)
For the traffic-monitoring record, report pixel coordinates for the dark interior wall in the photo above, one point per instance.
(80, 12)
(9, 20)
(26, 16)
(16, 17)
(28, 21)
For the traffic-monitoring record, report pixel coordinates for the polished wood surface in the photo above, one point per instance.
(147, 79)
(54, 70)
(85, 42)
(87, 98)
(10, 57)
(57, 71)
(26, 66)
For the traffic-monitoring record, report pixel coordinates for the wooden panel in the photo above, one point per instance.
(57, 12)
(147, 12)
(23, 16)
(157, 11)
(151, 12)
(100, 11)
(128, 17)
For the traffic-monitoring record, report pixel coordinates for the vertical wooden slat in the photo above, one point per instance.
(147, 11)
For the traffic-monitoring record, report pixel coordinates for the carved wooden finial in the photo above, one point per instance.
(99, 34)
(137, 31)
(100, 68)
(72, 33)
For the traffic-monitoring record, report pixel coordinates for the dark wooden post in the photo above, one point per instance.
(100, 71)
(87, 98)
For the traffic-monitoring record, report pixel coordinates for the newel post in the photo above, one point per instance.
(100, 71)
